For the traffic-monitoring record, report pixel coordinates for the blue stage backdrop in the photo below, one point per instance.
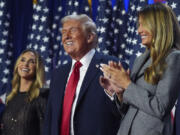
(36, 24)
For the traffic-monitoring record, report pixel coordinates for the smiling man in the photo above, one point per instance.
(77, 103)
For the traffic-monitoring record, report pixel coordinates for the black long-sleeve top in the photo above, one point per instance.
(23, 118)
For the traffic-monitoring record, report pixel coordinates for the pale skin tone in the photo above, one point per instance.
(146, 35)
(116, 79)
(76, 42)
(26, 70)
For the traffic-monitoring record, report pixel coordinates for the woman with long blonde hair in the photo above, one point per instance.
(146, 96)
(24, 109)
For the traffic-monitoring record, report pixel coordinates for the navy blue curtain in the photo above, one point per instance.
(21, 18)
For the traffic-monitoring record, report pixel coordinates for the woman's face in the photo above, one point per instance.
(146, 35)
(27, 66)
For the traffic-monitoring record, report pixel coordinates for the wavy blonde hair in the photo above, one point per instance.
(38, 82)
(159, 20)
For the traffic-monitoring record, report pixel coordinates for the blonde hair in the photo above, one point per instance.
(160, 20)
(37, 83)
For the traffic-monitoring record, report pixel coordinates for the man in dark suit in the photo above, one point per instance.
(91, 112)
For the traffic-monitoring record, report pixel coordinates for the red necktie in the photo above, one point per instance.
(68, 99)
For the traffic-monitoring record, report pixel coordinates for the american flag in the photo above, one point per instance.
(72, 7)
(134, 48)
(103, 22)
(45, 35)
(175, 4)
(77, 7)
(39, 36)
(119, 26)
(55, 41)
(6, 48)
(116, 29)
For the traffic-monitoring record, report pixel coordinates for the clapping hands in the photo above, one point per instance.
(115, 78)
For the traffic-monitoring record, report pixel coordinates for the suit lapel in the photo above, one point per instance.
(139, 64)
(61, 83)
(90, 75)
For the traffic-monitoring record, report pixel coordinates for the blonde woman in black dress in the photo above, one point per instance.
(24, 111)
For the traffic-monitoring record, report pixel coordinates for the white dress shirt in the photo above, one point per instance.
(85, 61)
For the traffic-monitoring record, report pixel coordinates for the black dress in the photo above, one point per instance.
(23, 118)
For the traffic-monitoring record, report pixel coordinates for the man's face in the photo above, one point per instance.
(74, 39)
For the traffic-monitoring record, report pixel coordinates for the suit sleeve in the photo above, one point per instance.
(48, 115)
(47, 121)
(160, 103)
(122, 107)
(40, 107)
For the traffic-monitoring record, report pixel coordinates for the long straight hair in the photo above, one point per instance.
(38, 81)
(160, 20)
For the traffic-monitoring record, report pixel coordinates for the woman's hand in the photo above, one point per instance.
(116, 74)
(109, 86)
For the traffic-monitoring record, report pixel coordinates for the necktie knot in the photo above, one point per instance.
(78, 64)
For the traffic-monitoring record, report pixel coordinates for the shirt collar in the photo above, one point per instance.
(86, 59)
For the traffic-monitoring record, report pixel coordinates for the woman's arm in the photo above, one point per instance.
(166, 91)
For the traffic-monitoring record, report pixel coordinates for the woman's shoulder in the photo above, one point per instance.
(174, 54)
(43, 95)
(173, 58)
(41, 101)
(44, 92)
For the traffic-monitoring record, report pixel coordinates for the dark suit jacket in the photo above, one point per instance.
(95, 113)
